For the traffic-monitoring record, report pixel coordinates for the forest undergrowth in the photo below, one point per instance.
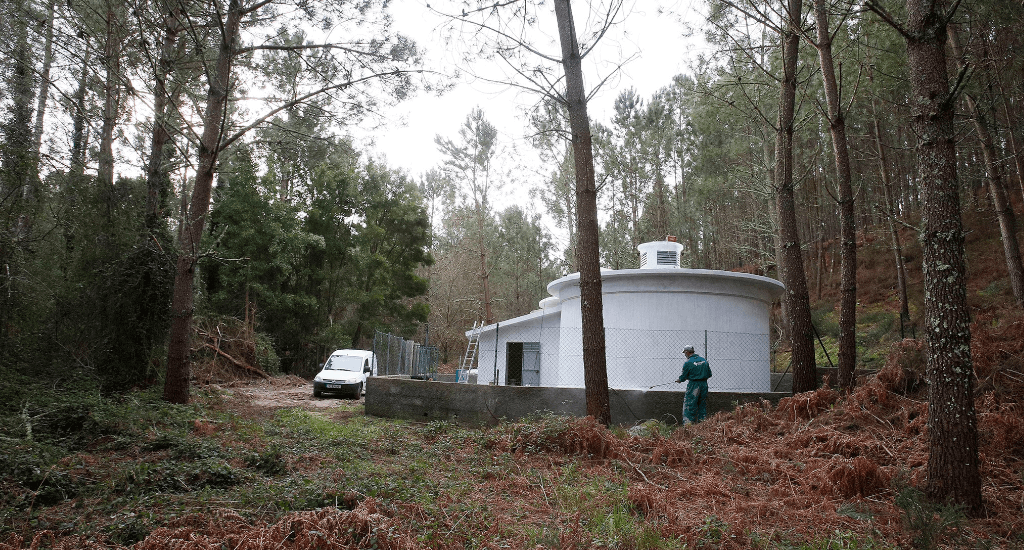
(820, 470)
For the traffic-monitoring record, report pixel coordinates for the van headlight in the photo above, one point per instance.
(318, 378)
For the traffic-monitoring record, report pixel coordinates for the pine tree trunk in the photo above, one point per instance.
(819, 266)
(157, 179)
(660, 214)
(18, 165)
(795, 301)
(1004, 212)
(953, 474)
(573, 241)
(1000, 202)
(79, 130)
(176, 386)
(847, 227)
(595, 372)
(44, 82)
(890, 206)
(894, 234)
(111, 104)
(1011, 130)
(484, 273)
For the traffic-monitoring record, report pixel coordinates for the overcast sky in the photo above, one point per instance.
(653, 31)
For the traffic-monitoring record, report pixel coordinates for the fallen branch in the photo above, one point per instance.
(1014, 378)
(637, 468)
(238, 363)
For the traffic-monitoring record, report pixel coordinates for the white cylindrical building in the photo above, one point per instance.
(650, 313)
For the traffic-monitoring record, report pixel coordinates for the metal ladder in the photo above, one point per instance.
(472, 347)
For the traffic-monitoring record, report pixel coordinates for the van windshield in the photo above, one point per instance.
(345, 362)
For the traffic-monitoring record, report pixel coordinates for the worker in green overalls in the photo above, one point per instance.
(696, 372)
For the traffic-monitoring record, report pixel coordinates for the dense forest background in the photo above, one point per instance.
(116, 117)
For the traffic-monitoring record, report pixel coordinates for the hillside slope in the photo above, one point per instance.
(241, 468)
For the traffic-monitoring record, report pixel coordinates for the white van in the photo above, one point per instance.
(345, 372)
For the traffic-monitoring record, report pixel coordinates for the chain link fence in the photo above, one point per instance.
(399, 356)
(636, 359)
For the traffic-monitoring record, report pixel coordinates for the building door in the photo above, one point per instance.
(523, 364)
(531, 363)
(514, 364)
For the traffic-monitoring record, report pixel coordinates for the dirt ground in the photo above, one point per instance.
(284, 392)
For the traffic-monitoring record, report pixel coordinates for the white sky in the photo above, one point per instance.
(653, 30)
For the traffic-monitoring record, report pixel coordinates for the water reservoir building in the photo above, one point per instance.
(650, 313)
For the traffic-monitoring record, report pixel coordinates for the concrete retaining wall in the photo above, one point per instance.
(475, 405)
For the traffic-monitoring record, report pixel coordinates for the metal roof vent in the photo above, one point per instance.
(660, 254)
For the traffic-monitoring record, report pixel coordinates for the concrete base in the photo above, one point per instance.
(782, 382)
(471, 379)
(475, 405)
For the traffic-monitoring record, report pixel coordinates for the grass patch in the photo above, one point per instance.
(838, 540)
(322, 431)
(826, 320)
(877, 329)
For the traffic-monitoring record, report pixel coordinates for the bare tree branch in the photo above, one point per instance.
(269, 114)
(872, 5)
(518, 43)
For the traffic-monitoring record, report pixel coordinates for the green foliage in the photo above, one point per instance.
(144, 478)
(839, 540)
(618, 526)
(37, 439)
(14, 391)
(876, 324)
(925, 521)
(18, 171)
(855, 510)
(389, 246)
(523, 261)
(639, 156)
(541, 431)
(712, 531)
(332, 337)
(191, 448)
(650, 428)
(73, 418)
(608, 516)
(33, 467)
(323, 431)
(324, 268)
(877, 329)
(826, 351)
(266, 357)
(268, 462)
(93, 299)
(135, 293)
(49, 416)
(129, 529)
(261, 257)
(179, 475)
(997, 288)
(826, 319)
